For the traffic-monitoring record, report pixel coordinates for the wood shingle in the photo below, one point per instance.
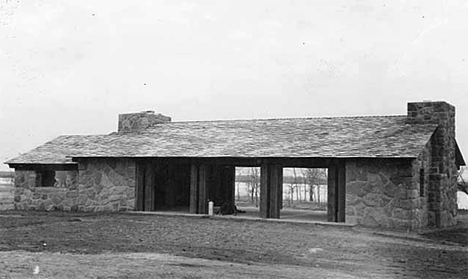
(339, 137)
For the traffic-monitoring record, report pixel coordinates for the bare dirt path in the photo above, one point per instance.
(78, 245)
(145, 265)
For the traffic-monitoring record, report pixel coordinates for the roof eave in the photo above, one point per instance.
(44, 166)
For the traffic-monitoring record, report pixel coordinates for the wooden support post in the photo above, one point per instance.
(331, 190)
(166, 183)
(149, 187)
(194, 189)
(264, 195)
(232, 184)
(198, 189)
(202, 190)
(271, 196)
(140, 187)
(341, 193)
(275, 187)
(280, 191)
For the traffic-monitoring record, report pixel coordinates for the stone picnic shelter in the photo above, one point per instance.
(396, 171)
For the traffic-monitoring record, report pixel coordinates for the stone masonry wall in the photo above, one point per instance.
(107, 185)
(99, 185)
(442, 180)
(381, 192)
(30, 197)
(423, 164)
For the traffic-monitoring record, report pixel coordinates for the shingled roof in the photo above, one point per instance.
(338, 137)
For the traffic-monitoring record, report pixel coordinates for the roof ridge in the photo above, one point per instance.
(82, 135)
(283, 118)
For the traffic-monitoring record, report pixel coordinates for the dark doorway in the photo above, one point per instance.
(220, 185)
(163, 185)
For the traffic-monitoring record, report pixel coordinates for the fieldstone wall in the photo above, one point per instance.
(421, 170)
(442, 180)
(106, 185)
(98, 185)
(30, 197)
(382, 193)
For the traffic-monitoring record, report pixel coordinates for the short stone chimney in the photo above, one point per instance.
(440, 113)
(132, 122)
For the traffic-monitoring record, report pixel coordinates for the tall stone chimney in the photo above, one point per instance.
(132, 122)
(443, 142)
(443, 170)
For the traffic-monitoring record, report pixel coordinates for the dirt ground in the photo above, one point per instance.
(129, 245)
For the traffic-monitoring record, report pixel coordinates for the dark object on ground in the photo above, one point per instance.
(228, 208)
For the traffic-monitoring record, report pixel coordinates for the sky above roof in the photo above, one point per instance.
(69, 67)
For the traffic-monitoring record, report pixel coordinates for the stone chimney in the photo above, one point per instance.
(131, 122)
(443, 141)
(440, 113)
(443, 169)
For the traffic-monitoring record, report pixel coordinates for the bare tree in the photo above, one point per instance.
(291, 194)
(296, 182)
(238, 174)
(254, 184)
(313, 178)
(304, 182)
(292, 183)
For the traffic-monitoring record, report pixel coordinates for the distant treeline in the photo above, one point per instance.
(286, 179)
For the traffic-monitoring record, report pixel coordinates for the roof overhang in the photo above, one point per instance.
(286, 162)
(57, 167)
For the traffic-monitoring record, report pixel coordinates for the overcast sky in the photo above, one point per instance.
(69, 67)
